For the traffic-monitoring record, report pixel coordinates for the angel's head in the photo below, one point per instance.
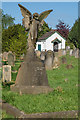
(36, 16)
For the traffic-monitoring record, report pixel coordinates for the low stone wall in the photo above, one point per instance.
(20, 114)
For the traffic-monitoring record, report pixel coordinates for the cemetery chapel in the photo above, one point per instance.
(52, 40)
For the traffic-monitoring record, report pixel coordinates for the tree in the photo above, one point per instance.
(7, 20)
(74, 34)
(63, 29)
(14, 39)
(43, 30)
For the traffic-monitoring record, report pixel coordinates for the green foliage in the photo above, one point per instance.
(7, 20)
(6, 116)
(63, 98)
(68, 43)
(43, 30)
(74, 34)
(14, 39)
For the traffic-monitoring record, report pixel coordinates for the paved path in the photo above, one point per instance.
(19, 114)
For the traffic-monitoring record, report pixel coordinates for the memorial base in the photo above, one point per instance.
(31, 89)
(31, 77)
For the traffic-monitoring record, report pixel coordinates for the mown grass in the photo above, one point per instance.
(63, 98)
(5, 115)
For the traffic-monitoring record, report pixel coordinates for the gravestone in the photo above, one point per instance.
(56, 62)
(49, 60)
(43, 55)
(59, 53)
(38, 53)
(32, 77)
(69, 66)
(10, 59)
(64, 52)
(64, 60)
(74, 51)
(71, 52)
(22, 57)
(77, 53)
(6, 73)
(67, 48)
(5, 56)
(1, 55)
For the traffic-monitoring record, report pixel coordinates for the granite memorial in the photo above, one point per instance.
(32, 77)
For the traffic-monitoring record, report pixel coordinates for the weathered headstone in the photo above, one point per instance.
(10, 59)
(59, 53)
(74, 51)
(56, 62)
(38, 53)
(77, 53)
(64, 60)
(49, 60)
(1, 55)
(43, 55)
(64, 52)
(6, 73)
(71, 52)
(5, 56)
(22, 57)
(69, 66)
(67, 48)
(32, 77)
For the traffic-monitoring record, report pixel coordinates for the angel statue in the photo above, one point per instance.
(32, 23)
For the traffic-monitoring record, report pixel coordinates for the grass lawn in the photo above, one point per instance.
(5, 115)
(63, 98)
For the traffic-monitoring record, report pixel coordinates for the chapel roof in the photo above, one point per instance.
(48, 34)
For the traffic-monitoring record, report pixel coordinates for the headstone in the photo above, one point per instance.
(6, 73)
(64, 52)
(67, 48)
(10, 59)
(49, 60)
(74, 51)
(43, 55)
(71, 52)
(38, 53)
(64, 60)
(56, 62)
(22, 57)
(5, 56)
(69, 66)
(77, 53)
(59, 53)
(1, 55)
(32, 77)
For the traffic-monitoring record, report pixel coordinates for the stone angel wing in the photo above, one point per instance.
(27, 17)
(44, 15)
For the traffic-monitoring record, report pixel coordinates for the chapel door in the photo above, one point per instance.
(55, 47)
(39, 47)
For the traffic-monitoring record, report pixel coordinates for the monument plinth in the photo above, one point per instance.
(32, 77)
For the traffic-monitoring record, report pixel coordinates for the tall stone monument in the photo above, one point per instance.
(32, 77)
